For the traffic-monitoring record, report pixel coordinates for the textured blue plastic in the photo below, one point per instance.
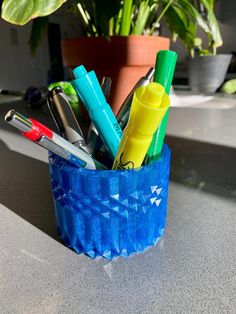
(110, 213)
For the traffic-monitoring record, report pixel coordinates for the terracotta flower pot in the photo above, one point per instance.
(124, 59)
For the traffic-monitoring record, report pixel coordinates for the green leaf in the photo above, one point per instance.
(198, 42)
(141, 20)
(38, 31)
(180, 24)
(22, 11)
(192, 14)
(213, 24)
(211, 4)
(204, 52)
(103, 12)
(126, 18)
(87, 20)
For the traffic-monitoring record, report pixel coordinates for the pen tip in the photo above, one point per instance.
(9, 115)
(56, 90)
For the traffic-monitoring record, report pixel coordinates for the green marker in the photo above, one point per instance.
(164, 72)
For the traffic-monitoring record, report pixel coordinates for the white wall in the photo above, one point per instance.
(226, 14)
(18, 70)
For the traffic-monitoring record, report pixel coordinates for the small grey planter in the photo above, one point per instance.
(207, 73)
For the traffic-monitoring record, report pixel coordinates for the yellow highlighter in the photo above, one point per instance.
(148, 108)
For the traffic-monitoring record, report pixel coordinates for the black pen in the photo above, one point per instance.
(106, 86)
(65, 119)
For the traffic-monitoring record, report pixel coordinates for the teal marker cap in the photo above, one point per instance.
(88, 88)
(79, 71)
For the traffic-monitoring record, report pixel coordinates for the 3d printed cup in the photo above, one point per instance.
(110, 213)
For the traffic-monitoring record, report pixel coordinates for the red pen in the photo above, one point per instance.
(40, 134)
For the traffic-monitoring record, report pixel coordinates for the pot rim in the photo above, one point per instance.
(210, 56)
(109, 38)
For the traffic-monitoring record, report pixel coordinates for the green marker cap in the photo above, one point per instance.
(164, 73)
(165, 68)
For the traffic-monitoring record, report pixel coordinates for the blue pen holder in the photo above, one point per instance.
(110, 213)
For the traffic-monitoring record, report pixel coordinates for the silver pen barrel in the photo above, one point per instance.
(18, 121)
(65, 119)
(54, 142)
(123, 114)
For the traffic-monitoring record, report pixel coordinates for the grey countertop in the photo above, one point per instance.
(191, 270)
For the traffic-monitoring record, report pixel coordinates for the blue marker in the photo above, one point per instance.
(87, 87)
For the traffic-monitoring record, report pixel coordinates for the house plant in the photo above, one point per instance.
(115, 44)
(207, 69)
(119, 37)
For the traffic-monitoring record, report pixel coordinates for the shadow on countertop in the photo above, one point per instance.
(25, 189)
(41, 114)
(205, 166)
(25, 183)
